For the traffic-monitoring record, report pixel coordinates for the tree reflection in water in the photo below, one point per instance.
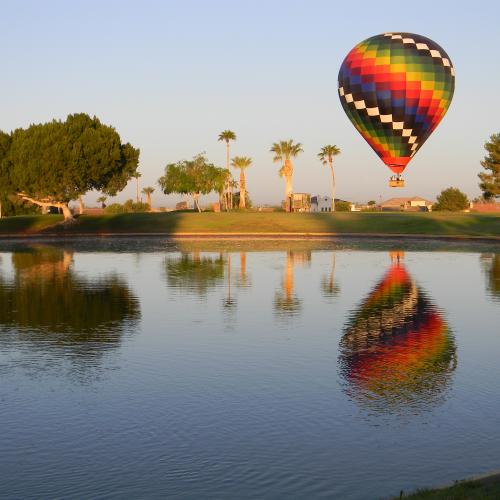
(397, 352)
(286, 302)
(194, 273)
(47, 304)
(243, 280)
(491, 266)
(329, 287)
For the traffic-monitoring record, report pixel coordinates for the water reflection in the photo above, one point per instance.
(286, 301)
(328, 285)
(491, 266)
(194, 273)
(243, 280)
(48, 303)
(397, 352)
(229, 299)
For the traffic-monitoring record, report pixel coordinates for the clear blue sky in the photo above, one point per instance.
(170, 75)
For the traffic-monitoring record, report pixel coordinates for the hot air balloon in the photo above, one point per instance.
(395, 88)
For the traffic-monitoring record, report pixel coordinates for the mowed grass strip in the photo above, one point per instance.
(446, 224)
(28, 224)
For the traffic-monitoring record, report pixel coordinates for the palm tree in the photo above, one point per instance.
(326, 156)
(284, 151)
(136, 176)
(148, 191)
(227, 136)
(242, 162)
(102, 201)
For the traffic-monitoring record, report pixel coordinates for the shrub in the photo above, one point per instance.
(135, 206)
(129, 206)
(342, 206)
(451, 200)
(114, 208)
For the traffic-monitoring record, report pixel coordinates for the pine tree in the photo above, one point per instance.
(490, 181)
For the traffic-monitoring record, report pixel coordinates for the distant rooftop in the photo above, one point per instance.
(402, 201)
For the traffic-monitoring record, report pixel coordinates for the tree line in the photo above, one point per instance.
(50, 164)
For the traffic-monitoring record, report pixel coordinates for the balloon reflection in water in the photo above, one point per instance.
(397, 351)
(49, 304)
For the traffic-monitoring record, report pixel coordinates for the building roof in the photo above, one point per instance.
(402, 201)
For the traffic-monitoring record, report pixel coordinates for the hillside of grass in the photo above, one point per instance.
(445, 224)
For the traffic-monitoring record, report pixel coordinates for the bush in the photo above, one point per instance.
(129, 206)
(135, 206)
(114, 208)
(451, 200)
(342, 206)
(12, 205)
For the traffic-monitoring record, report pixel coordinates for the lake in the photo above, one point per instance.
(228, 369)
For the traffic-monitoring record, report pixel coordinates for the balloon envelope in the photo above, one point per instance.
(395, 88)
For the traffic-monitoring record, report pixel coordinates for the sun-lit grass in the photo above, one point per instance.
(449, 224)
(28, 223)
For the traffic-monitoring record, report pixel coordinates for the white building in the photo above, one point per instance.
(321, 204)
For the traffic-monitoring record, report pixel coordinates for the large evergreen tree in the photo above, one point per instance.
(5, 187)
(451, 200)
(52, 163)
(490, 180)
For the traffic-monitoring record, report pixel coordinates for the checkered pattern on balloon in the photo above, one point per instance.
(395, 88)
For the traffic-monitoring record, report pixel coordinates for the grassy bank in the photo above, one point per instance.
(487, 488)
(259, 222)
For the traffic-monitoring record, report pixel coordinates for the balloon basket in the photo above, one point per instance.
(396, 183)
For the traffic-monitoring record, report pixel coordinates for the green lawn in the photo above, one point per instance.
(264, 222)
(484, 489)
(28, 223)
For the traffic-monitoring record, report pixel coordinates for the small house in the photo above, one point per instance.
(321, 204)
(414, 204)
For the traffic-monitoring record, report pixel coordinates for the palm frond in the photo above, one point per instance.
(227, 135)
(241, 162)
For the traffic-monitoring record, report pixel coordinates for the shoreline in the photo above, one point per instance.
(489, 481)
(247, 236)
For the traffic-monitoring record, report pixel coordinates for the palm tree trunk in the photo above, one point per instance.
(243, 191)
(228, 186)
(149, 200)
(288, 173)
(333, 186)
(81, 205)
(137, 189)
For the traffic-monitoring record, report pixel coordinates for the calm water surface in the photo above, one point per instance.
(232, 370)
